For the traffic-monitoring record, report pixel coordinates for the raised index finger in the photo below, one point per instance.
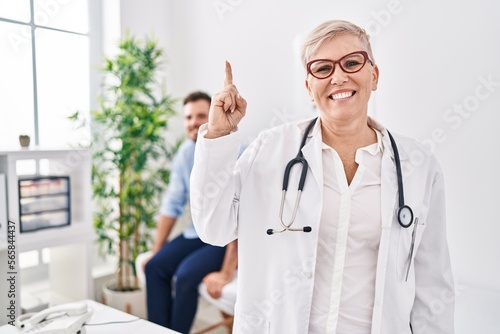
(228, 80)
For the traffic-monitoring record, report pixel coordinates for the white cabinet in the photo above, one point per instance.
(70, 246)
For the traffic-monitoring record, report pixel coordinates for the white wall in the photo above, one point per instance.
(434, 57)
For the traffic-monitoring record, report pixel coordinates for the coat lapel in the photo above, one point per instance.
(389, 184)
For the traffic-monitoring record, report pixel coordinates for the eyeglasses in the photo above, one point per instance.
(350, 63)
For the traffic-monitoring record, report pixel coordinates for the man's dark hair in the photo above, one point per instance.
(195, 96)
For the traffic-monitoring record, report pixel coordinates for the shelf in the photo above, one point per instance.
(46, 195)
(33, 213)
(37, 152)
(71, 246)
(59, 236)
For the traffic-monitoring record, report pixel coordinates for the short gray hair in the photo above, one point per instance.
(327, 31)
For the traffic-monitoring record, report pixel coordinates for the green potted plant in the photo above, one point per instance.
(130, 155)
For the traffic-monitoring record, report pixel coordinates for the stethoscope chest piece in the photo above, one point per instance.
(405, 216)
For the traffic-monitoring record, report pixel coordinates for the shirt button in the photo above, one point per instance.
(307, 274)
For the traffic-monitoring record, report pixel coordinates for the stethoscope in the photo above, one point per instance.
(404, 212)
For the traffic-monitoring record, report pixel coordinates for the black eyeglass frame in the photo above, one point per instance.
(363, 53)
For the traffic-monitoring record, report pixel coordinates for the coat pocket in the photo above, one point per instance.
(409, 240)
(250, 323)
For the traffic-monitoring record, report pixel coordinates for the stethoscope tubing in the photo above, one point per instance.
(399, 173)
(299, 158)
(402, 210)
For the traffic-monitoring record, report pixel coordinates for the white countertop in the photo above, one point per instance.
(109, 321)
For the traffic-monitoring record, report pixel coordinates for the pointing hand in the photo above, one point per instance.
(227, 109)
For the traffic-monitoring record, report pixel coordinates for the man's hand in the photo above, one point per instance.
(227, 109)
(215, 282)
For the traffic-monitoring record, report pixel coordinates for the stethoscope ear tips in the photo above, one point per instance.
(307, 229)
(270, 231)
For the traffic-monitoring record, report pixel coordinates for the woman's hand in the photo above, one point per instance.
(227, 109)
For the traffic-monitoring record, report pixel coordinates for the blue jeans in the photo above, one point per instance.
(172, 279)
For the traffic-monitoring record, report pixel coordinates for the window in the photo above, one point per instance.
(44, 61)
(44, 77)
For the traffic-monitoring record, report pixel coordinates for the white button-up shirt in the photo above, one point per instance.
(349, 236)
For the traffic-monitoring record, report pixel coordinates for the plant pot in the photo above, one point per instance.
(24, 141)
(133, 302)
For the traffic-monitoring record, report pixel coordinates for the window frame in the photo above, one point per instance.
(94, 35)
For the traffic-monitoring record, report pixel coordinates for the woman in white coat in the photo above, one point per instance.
(358, 252)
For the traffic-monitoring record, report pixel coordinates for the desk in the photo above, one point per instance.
(103, 314)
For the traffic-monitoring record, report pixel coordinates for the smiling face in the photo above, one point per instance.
(195, 115)
(342, 97)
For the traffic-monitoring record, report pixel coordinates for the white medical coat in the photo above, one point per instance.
(241, 199)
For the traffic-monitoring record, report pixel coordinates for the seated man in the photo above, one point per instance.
(177, 267)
